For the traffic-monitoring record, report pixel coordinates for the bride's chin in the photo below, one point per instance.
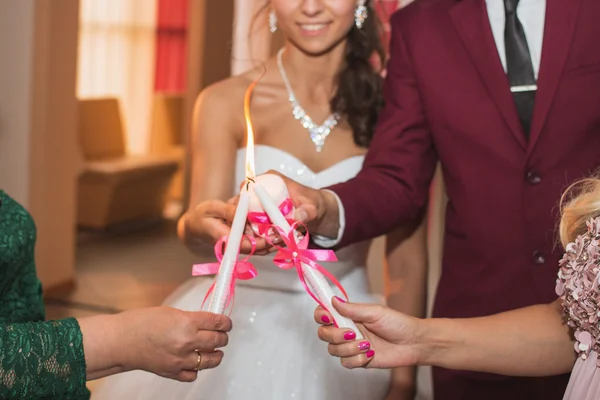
(316, 48)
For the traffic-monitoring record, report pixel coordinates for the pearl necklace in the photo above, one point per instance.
(318, 133)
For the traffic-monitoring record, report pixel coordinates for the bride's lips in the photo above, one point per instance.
(314, 28)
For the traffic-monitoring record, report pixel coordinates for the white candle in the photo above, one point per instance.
(220, 296)
(315, 279)
(278, 194)
(221, 292)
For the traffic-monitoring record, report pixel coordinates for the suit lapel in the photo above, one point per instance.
(561, 18)
(473, 27)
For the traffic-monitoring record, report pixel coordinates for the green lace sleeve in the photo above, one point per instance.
(42, 360)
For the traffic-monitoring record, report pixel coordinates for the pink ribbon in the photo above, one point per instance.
(243, 269)
(296, 253)
(262, 221)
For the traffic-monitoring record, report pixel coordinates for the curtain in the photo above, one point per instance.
(116, 59)
(171, 46)
(385, 9)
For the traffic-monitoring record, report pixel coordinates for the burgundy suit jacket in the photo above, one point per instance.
(448, 99)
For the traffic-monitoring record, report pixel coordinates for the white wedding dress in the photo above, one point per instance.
(273, 351)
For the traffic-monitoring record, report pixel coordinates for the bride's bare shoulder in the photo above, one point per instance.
(220, 95)
(226, 97)
(221, 105)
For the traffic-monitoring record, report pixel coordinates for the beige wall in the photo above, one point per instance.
(16, 36)
(209, 52)
(38, 156)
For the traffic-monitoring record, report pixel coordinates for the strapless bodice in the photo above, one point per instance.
(271, 158)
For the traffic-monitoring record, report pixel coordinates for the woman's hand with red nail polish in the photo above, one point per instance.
(391, 338)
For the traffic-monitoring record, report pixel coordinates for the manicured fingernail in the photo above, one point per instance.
(340, 299)
(370, 353)
(301, 216)
(364, 346)
(349, 335)
(325, 319)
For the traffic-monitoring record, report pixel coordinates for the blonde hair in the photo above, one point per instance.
(579, 203)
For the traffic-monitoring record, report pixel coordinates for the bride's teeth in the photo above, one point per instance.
(313, 27)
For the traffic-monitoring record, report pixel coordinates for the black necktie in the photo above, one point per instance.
(518, 65)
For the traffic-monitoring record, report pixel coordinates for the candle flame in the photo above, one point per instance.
(250, 169)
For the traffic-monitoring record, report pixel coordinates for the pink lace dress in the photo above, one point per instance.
(578, 285)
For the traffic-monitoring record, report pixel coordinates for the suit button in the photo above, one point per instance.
(538, 258)
(533, 178)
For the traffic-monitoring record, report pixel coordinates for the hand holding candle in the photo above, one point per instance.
(222, 292)
(258, 219)
(266, 186)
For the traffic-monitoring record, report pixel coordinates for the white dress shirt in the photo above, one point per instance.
(532, 14)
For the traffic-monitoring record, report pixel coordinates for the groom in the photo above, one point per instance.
(507, 97)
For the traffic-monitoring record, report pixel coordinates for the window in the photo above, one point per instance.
(117, 59)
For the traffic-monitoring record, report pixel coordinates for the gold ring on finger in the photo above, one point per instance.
(199, 360)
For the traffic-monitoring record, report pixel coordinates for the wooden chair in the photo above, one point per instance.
(116, 187)
(167, 135)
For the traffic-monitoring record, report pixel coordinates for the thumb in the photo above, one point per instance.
(305, 210)
(234, 200)
(357, 312)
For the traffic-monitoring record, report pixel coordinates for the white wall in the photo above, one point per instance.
(16, 38)
(38, 122)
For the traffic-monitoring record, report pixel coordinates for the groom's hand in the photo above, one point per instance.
(318, 209)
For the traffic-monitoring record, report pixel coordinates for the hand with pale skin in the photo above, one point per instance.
(390, 337)
(529, 341)
(166, 341)
(317, 209)
(210, 220)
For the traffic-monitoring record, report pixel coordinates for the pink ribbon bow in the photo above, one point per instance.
(243, 270)
(262, 221)
(296, 253)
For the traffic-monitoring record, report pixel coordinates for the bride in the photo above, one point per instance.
(323, 73)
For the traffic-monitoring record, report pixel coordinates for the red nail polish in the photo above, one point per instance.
(325, 319)
(370, 353)
(349, 335)
(340, 299)
(364, 346)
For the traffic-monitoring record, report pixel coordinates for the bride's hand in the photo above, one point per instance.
(211, 220)
(164, 340)
(391, 338)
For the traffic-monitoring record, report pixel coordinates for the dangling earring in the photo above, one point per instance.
(272, 21)
(360, 14)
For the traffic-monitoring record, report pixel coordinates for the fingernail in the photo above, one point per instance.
(301, 216)
(364, 346)
(275, 239)
(370, 353)
(349, 335)
(340, 299)
(325, 319)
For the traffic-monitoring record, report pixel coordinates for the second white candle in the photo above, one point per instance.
(315, 279)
